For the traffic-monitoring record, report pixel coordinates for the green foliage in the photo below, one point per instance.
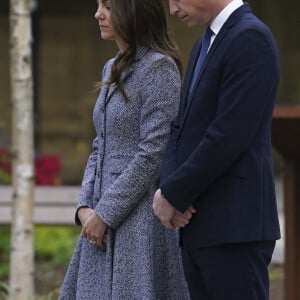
(54, 244)
(5, 178)
(4, 251)
(276, 274)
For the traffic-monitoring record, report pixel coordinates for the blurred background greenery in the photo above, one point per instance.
(53, 249)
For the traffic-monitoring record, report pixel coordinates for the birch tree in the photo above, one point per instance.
(21, 261)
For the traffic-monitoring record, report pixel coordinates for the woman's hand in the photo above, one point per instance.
(94, 229)
(84, 213)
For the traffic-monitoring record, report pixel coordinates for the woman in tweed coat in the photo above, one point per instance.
(124, 252)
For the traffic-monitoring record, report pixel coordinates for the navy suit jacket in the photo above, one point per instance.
(218, 156)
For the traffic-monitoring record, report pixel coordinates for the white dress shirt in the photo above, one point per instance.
(222, 17)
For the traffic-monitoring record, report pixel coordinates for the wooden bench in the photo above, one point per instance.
(53, 205)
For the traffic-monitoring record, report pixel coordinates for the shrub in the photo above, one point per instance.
(53, 244)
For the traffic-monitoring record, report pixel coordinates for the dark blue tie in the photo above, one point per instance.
(205, 45)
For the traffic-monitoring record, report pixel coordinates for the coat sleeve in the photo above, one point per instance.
(246, 99)
(160, 93)
(87, 186)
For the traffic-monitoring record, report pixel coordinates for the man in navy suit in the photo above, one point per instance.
(218, 158)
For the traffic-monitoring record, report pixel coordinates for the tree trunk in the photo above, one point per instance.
(22, 258)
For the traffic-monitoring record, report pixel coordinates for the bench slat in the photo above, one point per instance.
(53, 205)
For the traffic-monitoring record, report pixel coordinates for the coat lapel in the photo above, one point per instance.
(141, 51)
(113, 87)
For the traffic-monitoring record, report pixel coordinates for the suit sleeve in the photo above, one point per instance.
(160, 92)
(169, 162)
(246, 100)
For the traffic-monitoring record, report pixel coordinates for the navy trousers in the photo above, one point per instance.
(228, 272)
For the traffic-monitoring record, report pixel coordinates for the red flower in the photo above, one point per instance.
(47, 170)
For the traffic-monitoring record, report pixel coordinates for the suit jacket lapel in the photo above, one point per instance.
(217, 42)
(190, 68)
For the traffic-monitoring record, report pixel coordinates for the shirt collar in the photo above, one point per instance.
(224, 14)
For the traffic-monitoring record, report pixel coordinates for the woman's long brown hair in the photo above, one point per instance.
(139, 23)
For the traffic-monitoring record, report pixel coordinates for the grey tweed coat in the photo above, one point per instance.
(142, 260)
